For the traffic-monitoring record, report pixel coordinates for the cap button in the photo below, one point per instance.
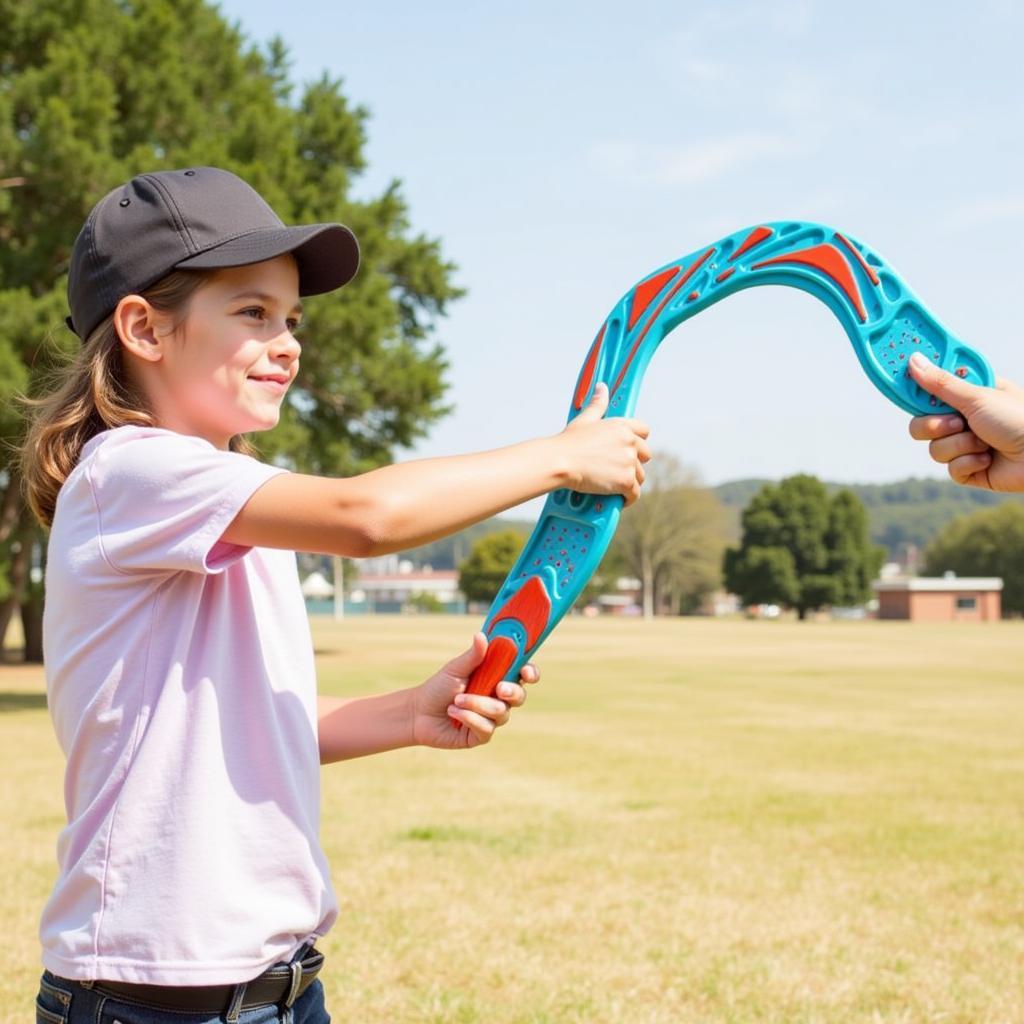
(190, 173)
(125, 202)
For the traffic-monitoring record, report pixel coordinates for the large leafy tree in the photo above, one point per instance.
(802, 548)
(94, 91)
(987, 543)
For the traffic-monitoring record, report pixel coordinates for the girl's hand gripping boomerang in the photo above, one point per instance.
(885, 322)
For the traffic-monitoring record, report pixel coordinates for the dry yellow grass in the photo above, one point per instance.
(690, 821)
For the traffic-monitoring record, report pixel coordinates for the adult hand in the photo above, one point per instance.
(984, 445)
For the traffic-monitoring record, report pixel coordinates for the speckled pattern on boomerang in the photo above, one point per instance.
(884, 319)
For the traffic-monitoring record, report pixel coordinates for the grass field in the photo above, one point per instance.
(690, 821)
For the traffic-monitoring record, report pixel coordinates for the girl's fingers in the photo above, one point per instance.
(512, 694)
(497, 711)
(946, 449)
(479, 725)
(529, 673)
(928, 428)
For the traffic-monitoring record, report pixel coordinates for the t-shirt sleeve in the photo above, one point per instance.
(164, 499)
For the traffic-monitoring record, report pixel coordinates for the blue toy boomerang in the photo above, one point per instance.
(884, 319)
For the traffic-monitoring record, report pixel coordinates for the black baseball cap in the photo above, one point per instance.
(199, 218)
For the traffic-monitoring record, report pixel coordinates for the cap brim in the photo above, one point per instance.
(327, 254)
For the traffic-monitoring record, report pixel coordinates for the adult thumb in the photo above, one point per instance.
(598, 404)
(960, 394)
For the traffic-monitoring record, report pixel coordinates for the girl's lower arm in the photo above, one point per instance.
(355, 727)
(423, 500)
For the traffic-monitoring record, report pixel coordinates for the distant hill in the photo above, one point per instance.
(901, 514)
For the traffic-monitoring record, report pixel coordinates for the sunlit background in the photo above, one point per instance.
(564, 151)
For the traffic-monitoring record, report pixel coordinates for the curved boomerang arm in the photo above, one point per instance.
(885, 322)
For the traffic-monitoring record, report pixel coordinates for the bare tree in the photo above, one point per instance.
(672, 539)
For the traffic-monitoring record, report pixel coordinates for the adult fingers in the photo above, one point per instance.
(927, 428)
(946, 449)
(972, 469)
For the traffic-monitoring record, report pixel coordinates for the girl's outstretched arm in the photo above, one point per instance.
(412, 503)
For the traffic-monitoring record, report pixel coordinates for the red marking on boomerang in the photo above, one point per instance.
(756, 237)
(868, 269)
(501, 652)
(588, 368)
(531, 605)
(647, 326)
(829, 260)
(644, 292)
(724, 274)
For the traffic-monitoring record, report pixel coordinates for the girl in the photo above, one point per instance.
(179, 664)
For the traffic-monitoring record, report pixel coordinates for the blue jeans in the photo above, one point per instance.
(62, 1001)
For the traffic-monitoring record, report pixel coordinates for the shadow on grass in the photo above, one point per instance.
(15, 701)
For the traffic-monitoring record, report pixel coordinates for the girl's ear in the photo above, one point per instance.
(137, 323)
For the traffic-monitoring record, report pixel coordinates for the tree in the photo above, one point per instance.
(93, 92)
(987, 543)
(802, 548)
(672, 538)
(490, 561)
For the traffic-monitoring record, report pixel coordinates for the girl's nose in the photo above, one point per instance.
(287, 344)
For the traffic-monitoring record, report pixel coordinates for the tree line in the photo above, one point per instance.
(802, 545)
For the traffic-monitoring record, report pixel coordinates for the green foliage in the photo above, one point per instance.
(802, 548)
(762, 575)
(93, 92)
(425, 602)
(449, 551)
(98, 90)
(902, 515)
(490, 561)
(987, 543)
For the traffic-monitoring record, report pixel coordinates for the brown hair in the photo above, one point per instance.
(94, 393)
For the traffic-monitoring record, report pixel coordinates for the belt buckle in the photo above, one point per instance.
(296, 969)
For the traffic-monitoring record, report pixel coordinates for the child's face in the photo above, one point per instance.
(239, 328)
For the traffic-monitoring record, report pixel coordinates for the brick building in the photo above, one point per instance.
(940, 599)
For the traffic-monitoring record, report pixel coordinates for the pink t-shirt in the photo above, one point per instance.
(182, 687)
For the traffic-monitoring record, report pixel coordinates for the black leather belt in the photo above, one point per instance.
(281, 984)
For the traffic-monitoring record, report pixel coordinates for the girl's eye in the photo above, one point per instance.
(294, 325)
(256, 311)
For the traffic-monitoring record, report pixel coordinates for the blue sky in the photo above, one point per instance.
(562, 151)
